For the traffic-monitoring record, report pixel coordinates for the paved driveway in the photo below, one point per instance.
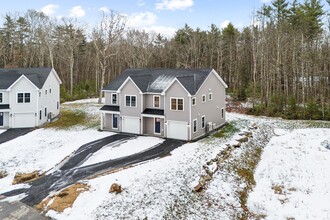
(13, 133)
(70, 172)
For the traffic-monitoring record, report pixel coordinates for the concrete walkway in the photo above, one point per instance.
(18, 211)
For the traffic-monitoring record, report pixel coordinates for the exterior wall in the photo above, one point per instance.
(176, 91)
(108, 97)
(50, 99)
(148, 101)
(130, 89)
(211, 108)
(149, 126)
(5, 97)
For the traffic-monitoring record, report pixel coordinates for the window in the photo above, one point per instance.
(58, 105)
(210, 96)
(130, 101)
(193, 100)
(39, 94)
(156, 101)
(1, 98)
(40, 114)
(114, 98)
(45, 92)
(50, 91)
(20, 97)
(115, 121)
(222, 113)
(177, 104)
(203, 121)
(203, 98)
(195, 125)
(45, 112)
(27, 97)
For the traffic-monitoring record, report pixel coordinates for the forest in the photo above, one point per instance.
(280, 62)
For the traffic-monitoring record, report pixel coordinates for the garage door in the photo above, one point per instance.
(131, 125)
(177, 130)
(24, 120)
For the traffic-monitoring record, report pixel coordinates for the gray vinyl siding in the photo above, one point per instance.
(211, 109)
(130, 89)
(149, 126)
(149, 101)
(176, 91)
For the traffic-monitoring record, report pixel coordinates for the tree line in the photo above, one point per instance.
(281, 62)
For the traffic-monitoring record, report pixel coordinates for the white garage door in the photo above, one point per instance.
(177, 130)
(24, 120)
(131, 125)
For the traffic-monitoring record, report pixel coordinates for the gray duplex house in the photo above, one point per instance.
(181, 104)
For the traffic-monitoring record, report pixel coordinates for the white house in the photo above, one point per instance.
(29, 97)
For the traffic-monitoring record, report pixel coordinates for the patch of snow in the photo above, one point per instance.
(280, 132)
(84, 101)
(134, 146)
(2, 130)
(293, 177)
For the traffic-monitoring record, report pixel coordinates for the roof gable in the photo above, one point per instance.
(159, 79)
(37, 76)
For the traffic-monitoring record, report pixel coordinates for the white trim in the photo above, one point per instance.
(208, 97)
(56, 76)
(131, 101)
(175, 79)
(111, 97)
(217, 76)
(153, 101)
(124, 83)
(160, 127)
(193, 98)
(152, 116)
(193, 125)
(203, 116)
(3, 119)
(177, 98)
(22, 76)
(203, 100)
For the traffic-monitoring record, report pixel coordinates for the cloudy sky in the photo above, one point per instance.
(164, 16)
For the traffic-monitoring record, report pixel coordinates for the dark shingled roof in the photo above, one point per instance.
(156, 80)
(4, 106)
(150, 111)
(112, 108)
(37, 76)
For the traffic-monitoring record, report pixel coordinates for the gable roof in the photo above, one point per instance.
(157, 80)
(37, 76)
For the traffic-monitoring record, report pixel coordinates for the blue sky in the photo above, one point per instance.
(164, 16)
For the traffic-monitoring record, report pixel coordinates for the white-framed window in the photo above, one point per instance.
(222, 113)
(210, 96)
(130, 101)
(50, 91)
(58, 105)
(46, 112)
(195, 125)
(193, 101)
(39, 94)
(23, 97)
(203, 98)
(46, 92)
(177, 104)
(114, 99)
(203, 121)
(1, 97)
(156, 101)
(40, 114)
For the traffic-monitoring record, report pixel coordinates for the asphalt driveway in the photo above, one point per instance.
(13, 133)
(70, 172)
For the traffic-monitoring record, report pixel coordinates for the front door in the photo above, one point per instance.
(157, 125)
(1, 119)
(115, 121)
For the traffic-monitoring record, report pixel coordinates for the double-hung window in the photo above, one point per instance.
(23, 97)
(203, 121)
(193, 101)
(203, 98)
(114, 98)
(130, 101)
(177, 104)
(195, 125)
(156, 101)
(1, 98)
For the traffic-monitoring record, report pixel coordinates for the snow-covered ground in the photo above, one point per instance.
(293, 177)
(162, 188)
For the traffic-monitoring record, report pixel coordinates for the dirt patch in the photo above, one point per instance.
(64, 199)
(27, 177)
(237, 106)
(3, 174)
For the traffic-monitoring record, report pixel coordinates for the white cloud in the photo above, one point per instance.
(77, 11)
(168, 32)
(142, 19)
(141, 3)
(49, 10)
(174, 4)
(224, 24)
(104, 9)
